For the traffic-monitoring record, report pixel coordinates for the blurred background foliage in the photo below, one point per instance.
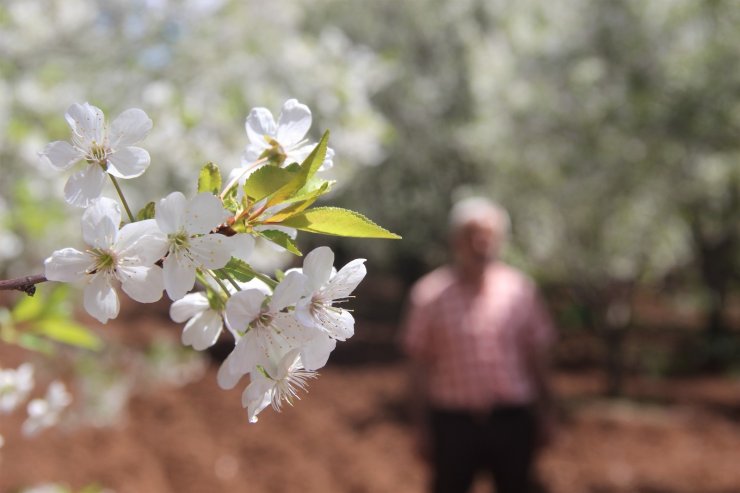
(609, 130)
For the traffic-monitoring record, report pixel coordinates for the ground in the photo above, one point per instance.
(350, 434)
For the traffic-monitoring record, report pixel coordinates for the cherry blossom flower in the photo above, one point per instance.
(276, 384)
(104, 149)
(127, 255)
(204, 323)
(324, 288)
(186, 223)
(15, 385)
(44, 413)
(267, 331)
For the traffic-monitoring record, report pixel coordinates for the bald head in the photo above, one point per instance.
(478, 229)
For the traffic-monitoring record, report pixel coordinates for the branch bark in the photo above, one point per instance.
(26, 284)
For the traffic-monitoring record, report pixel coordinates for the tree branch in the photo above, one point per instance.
(26, 284)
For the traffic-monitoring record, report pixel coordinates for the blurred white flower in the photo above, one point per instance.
(15, 385)
(276, 384)
(127, 255)
(105, 150)
(44, 413)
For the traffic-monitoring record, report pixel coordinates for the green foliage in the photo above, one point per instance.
(36, 320)
(147, 212)
(337, 221)
(209, 179)
(281, 239)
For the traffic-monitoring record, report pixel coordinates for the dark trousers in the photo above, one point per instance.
(501, 442)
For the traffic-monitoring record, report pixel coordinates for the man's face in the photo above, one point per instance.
(476, 243)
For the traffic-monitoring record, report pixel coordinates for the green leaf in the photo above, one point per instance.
(147, 212)
(35, 343)
(339, 222)
(307, 198)
(307, 169)
(209, 179)
(28, 308)
(282, 239)
(266, 181)
(237, 269)
(68, 332)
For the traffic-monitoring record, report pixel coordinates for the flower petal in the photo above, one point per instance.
(242, 246)
(87, 123)
(260, 122)
(100, 223)
(228, 378)
(179, 276)
(317, 266)
(316, 352)
(257, 396)
(67, 265)
(101, 299)
(203, 213)
(202, 330)
(293, 123)
(142, 240)
(128, 128)
(84, 186)
(188, 306)
(210, 251)
(341, 285)
(170, 212)
(142, 283)
(243, 307)
(60, 155)
(128, 162)
(288, 291)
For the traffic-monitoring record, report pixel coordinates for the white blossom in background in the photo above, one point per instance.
(104, 149)
(44, 413)
(186, 224)
(275, 384)
(15, 385)
(127, 255)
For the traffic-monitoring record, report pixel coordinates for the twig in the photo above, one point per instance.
(26, 284)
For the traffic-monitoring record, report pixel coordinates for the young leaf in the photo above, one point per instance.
(339, 222)
(307, 199)
(68, 332)
(147, 212)
(209, 179)
(265, 181)
(281, 239)
(237, 269)
(307, 169)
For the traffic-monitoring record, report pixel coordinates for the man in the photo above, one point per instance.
(478, 336)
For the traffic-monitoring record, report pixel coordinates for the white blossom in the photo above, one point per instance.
(204, 324)
(127, 255)
(104, 149)
(324, 288)
(186, 223)
(44, 413)
(276, 384)
(15, 385)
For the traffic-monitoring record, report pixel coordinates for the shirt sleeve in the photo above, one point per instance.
(415, 332)
(539, 334)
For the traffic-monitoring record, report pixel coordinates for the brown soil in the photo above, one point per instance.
(350, 434)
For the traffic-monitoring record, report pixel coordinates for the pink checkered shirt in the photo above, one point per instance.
(474, 346)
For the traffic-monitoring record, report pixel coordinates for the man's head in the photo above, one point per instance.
(478, 229)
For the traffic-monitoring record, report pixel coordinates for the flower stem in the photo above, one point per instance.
(231, 281)
(123, 199)
(219, 282)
